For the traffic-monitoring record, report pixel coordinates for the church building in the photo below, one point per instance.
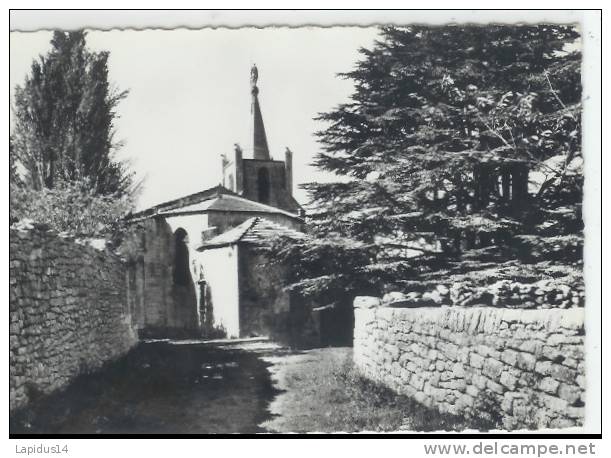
(196, 267)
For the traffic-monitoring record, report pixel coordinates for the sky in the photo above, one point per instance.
(189, 95)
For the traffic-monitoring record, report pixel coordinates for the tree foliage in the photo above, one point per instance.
(72, 207)
(64, 116)
(437, 116)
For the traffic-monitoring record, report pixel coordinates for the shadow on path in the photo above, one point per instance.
(161, 388)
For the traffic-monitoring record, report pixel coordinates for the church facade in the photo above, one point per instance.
(196, 267)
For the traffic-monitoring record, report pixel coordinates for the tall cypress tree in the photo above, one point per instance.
(64, 119)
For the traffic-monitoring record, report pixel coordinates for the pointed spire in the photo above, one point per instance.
(261, 151)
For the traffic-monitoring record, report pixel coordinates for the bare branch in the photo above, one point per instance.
(557, 97)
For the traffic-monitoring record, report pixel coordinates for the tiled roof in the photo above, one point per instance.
(254, 230)
(201, 196)
(263, 229)
(214, 199)
(229, 203)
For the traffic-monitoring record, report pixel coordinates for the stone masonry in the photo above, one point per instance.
(68, 311)
(526, 366)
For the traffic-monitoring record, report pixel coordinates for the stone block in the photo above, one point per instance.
(507, 403)
(560, 423)
(454, 385)
(569, 393)
(495, 387)
(451, 409)
(465, 402)
(458, 370)
(439, 395)
(451, 351)
(575, 351)
(575, 412)
(552, 353)
(554, 403)
(570, 362)
(563, 373)
(543, 367)
(549, 385)
(522, 409)
(482, 349)
(463, 354)
(412, 367)
(435, 378)
(394, 296)
(509, 357)
(445, 334)
(366, 302)
(480, 381)
(472, 390)
(531, 346)
(421, 397)
(393, 351)
(492, 368)
(508, 380)
(476, 361)
(428, 389)
(417, 382)
(526, 361)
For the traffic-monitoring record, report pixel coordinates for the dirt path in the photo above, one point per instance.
(195, 387)
(163, 387)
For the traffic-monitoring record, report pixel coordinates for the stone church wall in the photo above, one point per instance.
(163, 308)
(266, 309)
(527, 366)
(68, 311)
(264, 306)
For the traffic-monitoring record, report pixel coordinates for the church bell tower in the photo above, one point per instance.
(260, 178)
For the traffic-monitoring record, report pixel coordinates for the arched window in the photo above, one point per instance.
(181, 258)
(263, 185)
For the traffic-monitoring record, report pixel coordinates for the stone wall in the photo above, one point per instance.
(526, 367)
(266, 308)
(264, 305)
(68, 311)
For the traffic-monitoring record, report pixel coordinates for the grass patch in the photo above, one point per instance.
(323, 392)
(378, 408)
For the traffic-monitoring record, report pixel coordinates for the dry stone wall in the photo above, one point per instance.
(526, 367)
(68, 311)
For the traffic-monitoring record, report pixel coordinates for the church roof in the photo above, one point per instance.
(254, 230)
(229, 203)
(214, 199)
